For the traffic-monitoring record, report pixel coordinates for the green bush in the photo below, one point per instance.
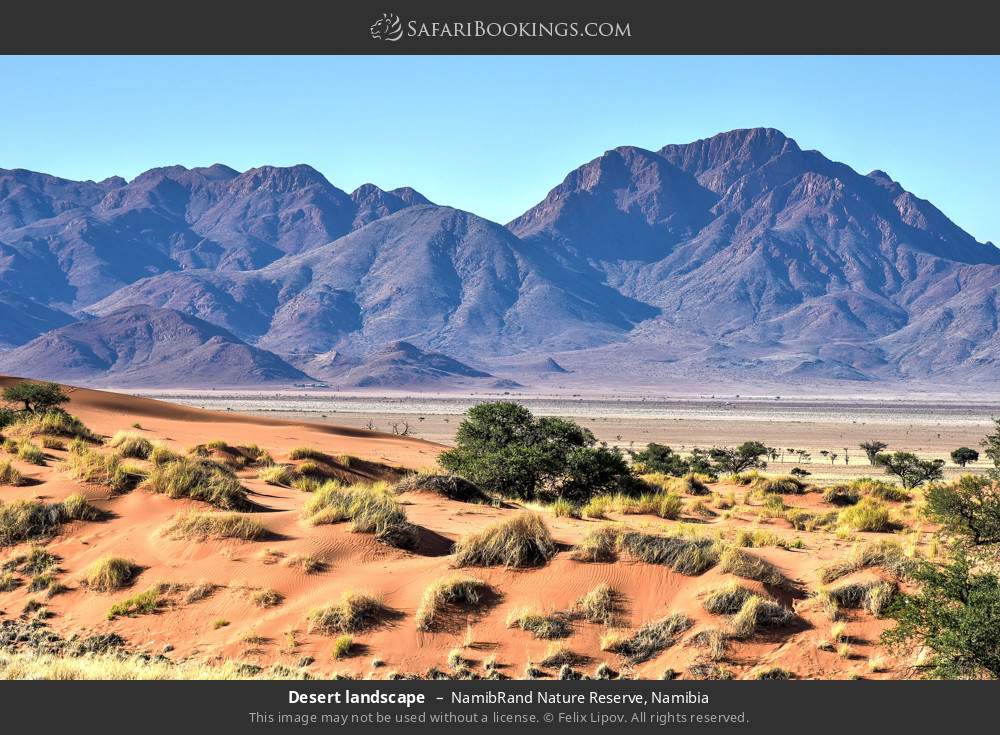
(505, 450)
(968, 509)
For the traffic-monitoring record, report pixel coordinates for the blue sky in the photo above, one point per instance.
(494, 134)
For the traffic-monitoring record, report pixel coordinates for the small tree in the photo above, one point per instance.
(35, 397)
(910, 469)
(963, 455)
(747, 455)
(955, 616)
(991, 445)
(872, 449)
(969, 509)
(660, 458)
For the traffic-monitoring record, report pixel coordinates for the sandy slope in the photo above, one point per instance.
(357, 562)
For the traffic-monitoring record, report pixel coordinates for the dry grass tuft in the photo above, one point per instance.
(887, 555)
(649, 640)
(111, 573)
(370, 509)
(735, 560)
(541, 625)
(600, 605)
(199, 479)
(726, 599)
(779, 485)
(874, 596)
(599, 545)
(446, 594)
(199, 526)
(520, 541)
(9, 475)
(92, 467)
(130, 444)
(353, 612)
(757, 613)
(683, 554)
(869, 514)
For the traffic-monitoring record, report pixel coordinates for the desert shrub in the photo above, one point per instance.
(541, 625)
(558, 654)
(881, 489)
(841, 495)
(806, 520)
(599, 545)
(887, 555)
(352, 613)
(266, 598)
(598, 507)
(111, 573)
(756, 613)
(277, 474)
(8, 582)
(308, 563)
(9, 475)
(447, 594)
(600, 605)
(963, 455)
(689, 484)
(686, 555)
(709, 672)
(452, 487)
(215, 525)
(780, 485)
(198, 480)
(76, 507)
(308, 453)
(26, 520)
(505, 450)
(370, 509)
(162, 454)
(874, 596)
(743, 564)
(200, 591)
(747, 456)
(650, 639)
(660, 459)
(868, 515)
(773, 673)
(726, 599)
(130, 444)
(563, 508)
(968, 509)
(772, 507)
(342, 646)
(30, 453)
(307, 484)
(755, 538)
(50, 442)
(95, 468)
(38, 560)
(953, 615)
(520, 541)
(142, 603)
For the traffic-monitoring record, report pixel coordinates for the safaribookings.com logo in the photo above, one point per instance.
(390, 28)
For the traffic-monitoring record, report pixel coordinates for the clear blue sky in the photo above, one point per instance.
(492, 135)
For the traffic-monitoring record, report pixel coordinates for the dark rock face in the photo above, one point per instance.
(142, 346)
(737, 257)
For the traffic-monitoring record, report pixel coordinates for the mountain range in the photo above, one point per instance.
(737, 259)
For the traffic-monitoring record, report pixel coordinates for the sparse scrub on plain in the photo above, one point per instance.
(111, 573)
(446, 595)
(520, 541)
(352, 613)
(213, 525)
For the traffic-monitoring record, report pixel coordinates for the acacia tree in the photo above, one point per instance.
(35, 397)
(748, 455)
(955, 616)
(910, 469)
(963, 455)
(968, 509)
(872, 449)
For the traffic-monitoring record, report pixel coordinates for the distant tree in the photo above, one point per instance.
(910, 469)
(847, 457)
(833, 457)
(504, 449)
(968, 509)
(700, 461)
(954, 615)
(799, 472)
(872, 449)
(991, 447)
(963, 455)
(660, 458)
(35, 397)
(748, 455)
